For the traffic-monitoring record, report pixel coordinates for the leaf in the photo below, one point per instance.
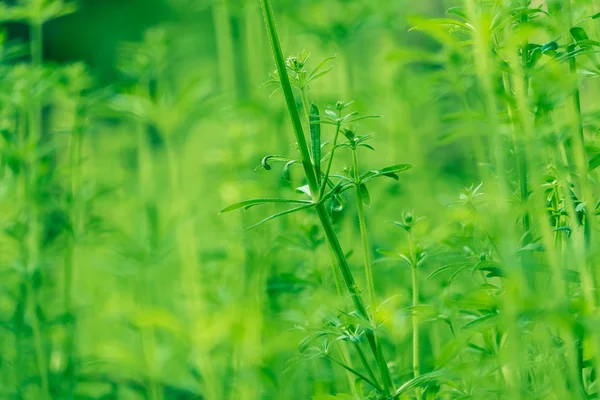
(550, 46)
(456, 273)
(364, 194)
(253, 202)
(270, 158)
(317, 71)
(481, 322)
(368, 146)
(458, 11)
(353, 120)
(442, 269)
(304, 189)
(578, 34)
(423, 380)
(594, 162)
(596, 16)
(290, 211)
(389, 172)
(533, 247)
(315, 139)
(396, 168)
(286, 170)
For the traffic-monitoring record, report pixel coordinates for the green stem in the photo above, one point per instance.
(354, 291)
(355, 372)
(363, 233)
(225, 47)
(305, 104)
(330, 161)
(289, 98)
(415, 322)
(31, 178)
(365, 363)
(415, 317)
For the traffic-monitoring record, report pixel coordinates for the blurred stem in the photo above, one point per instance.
(33, 240)
(74, 219)
(415, 316)
(225, 47)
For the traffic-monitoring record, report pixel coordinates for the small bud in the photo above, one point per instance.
(349, 133)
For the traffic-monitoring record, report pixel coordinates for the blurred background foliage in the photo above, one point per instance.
(127, 125)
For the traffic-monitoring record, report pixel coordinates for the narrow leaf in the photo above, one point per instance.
(290, 211)
(364, 194)
(594, 162)
(442, 269)
(423, 380)
(480, 322)
(254, 202)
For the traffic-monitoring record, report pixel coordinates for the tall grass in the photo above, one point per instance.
(468, 272)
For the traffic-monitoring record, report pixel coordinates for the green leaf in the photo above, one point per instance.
(389, 172)
(423, 380)
(389, 253)
(290, 211)
(444, 268)
(458, 11)
(481, 322)
(253, 202)
(456, 273)
(315, 139)
(533, 247)
(317, 72)
(364, 194)
(578, 34)
(550, 46)
(286, 170)
(396, 168)
(270, 158)
(304, 189)
(596, 16)
(594, 162)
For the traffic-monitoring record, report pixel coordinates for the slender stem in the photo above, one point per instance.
(363, 233)
(225, 47)
(289, 98)
(354, 291)
(365, 363)
(305, 103)
(355, 372)
(415, 322)
(33, 244)
(330, 161)
(415, 317)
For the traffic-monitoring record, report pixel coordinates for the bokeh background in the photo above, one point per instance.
(143, 290)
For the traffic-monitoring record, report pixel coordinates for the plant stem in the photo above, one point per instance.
(415, 317)
(363, 233)
(31, 180)
(330, 161)
(225, 47)
(289, 98)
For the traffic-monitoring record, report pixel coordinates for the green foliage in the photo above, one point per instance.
(470, 272)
